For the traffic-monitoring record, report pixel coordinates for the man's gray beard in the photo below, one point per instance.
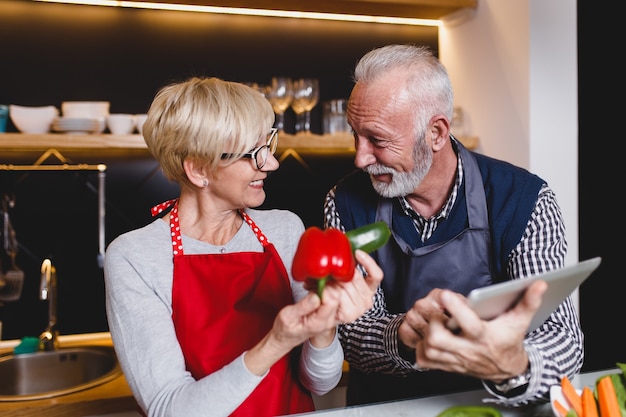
(403, 183)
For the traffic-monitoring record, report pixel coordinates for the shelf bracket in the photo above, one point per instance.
(293, 153)
(64, 166)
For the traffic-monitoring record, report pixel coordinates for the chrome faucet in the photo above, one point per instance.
(48, 339)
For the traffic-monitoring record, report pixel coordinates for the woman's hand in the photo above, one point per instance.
(316, 320)
(355, 297)
(343, 302)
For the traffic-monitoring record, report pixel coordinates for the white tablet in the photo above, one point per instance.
(491, 301)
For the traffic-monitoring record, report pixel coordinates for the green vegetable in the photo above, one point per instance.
(470, 411)
(370, 237)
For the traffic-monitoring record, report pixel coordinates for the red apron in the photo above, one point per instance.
(223, 305)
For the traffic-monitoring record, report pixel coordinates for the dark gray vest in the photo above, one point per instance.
(461, 264)
(410, 273)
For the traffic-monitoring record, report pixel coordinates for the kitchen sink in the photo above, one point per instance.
(46, 374)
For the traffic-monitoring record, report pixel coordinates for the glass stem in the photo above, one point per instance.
(280, 122)
(299, 123)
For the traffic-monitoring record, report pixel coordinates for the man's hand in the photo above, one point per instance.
(491, 350)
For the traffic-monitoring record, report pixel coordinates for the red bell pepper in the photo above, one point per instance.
(323, 254)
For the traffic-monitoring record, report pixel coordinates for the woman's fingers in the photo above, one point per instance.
(374, 274)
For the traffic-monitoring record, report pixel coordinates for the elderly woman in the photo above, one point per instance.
(204, 314)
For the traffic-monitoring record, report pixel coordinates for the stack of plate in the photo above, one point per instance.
(78, 125)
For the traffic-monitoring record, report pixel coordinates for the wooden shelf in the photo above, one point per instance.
(17, 149)
(60, 141)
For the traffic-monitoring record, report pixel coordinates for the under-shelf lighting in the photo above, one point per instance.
(254, 12)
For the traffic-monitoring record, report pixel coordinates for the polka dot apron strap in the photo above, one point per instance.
(259, 234)
(177, 240)
(160, 208)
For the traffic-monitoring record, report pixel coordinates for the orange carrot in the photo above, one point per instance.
(572, 396)
(590, 407)
(607, 398)
(560, 408)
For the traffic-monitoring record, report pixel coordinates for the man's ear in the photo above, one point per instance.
(439, 129)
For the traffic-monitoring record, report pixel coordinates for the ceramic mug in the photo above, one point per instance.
(121, 123)
(4, 117)
(139, 120)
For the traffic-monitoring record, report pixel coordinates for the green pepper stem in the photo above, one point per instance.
(321, 283)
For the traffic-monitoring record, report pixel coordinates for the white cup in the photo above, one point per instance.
(139, 120)
(121, 123)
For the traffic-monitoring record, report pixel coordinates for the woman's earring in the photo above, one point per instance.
(205, 183)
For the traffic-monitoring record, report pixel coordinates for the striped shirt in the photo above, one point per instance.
(554, 349)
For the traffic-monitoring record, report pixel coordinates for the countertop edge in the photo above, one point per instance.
(70, 338)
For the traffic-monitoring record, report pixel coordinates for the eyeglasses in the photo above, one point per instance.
(261, 153)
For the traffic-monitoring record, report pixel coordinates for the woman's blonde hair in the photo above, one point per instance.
(201, 118)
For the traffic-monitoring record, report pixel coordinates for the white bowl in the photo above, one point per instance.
(556, 394)
(29, 119)
(87, 109)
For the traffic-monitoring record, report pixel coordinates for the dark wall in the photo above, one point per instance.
(53, 53)
(602, 226)
(56, 216)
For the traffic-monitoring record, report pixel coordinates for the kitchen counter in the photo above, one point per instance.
(114, 398)
(111, 397)
(432, 406)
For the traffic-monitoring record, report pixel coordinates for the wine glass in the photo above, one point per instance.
(298, 110)
(306, 93)
(280, 95)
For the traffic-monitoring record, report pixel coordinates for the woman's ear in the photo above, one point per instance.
(195, 173)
